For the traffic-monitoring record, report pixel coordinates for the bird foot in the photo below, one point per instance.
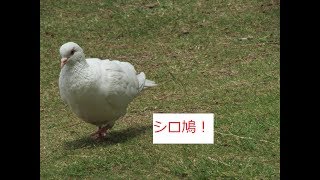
(100, 134)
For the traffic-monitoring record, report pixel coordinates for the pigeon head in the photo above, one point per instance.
(70, 52)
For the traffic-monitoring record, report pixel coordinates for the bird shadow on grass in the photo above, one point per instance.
(113, 137)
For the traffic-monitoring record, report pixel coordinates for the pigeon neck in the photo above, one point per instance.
(82, 63)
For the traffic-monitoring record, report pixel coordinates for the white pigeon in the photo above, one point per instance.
(98, 91)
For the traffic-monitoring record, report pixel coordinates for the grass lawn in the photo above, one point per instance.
(214, 56)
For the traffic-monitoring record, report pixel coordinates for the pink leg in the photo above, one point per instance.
(100, 133)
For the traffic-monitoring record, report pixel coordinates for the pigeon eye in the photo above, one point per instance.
(72, 51)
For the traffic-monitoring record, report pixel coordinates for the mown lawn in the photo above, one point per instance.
(215, 56)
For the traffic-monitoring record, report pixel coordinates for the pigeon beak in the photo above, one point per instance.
(63, 62)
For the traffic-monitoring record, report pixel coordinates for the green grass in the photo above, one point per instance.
(194, 51)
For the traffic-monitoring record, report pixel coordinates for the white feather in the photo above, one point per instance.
(98, 91)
